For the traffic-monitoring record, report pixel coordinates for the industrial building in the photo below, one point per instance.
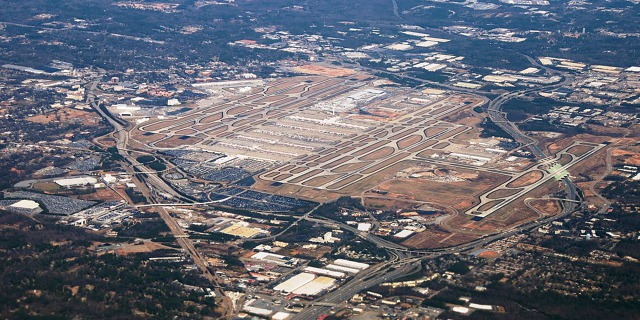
(243, 230)
(315, 286)
(256, 310)
(295, 282)
(275, 259)
(325, 272)
(280, 315)
(351, 264)
(76, 182)
(484, 307)
(343, 269)
(403, 234)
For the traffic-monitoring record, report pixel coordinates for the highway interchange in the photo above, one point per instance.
(407, 262)
(147, 189)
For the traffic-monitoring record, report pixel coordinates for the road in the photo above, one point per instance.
(494, 111)
(401, 265)
(364, 235)
(549, 173)
(403, 261)
(396, 12)
(406, 262)
(405, 76)
(146, 188)
(375, 275)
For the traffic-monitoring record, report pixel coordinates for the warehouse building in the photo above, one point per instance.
(295, 282)
(315, 286)
(351, 264)
(403, 234)
(325, 272)
(280, 315)
(342, 269)
(76, 182)
(275, 259)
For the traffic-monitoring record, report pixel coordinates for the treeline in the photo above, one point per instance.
(334, 209)
(625, 192)
(48, 273)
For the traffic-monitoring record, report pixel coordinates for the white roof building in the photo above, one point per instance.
(295, 282)
(107, 178)
(126, 107)
(351, 264)
(255, 310)
(315, 286)
(342, 268)
(325, 272)
(26, 204)
(426, 44)
(481, 306)
(399, 47)
(403, 234)
(275, 258)
(458, 309)
(280, 315)
(76, 182)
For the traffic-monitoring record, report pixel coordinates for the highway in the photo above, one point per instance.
(375, 275)
(405, 76)
(558, 171)
(407, 261)
(147, 190)
(403, 261)
(396, 12)
(494, 111)
(364, 235)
